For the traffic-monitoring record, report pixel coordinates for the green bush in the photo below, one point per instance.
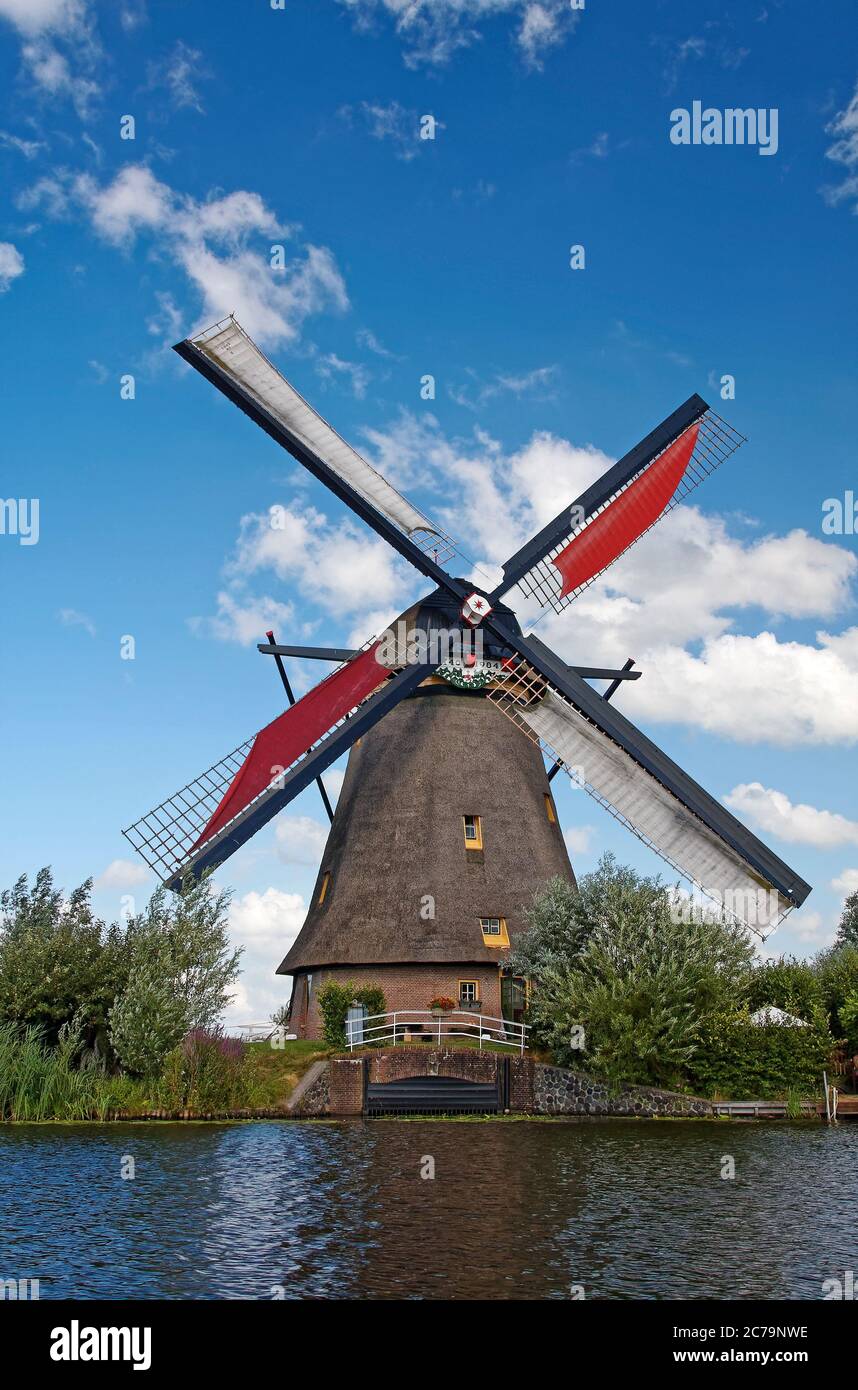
(57, 960)
(629, 993)
(738, 1060)
(209, 1073)
(334, 1003)
(146, 1022)
(789, 984)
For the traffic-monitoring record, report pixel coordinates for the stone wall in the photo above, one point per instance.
(556, 1091)
(336, 1087)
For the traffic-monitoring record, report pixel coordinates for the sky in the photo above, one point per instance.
(159, 157)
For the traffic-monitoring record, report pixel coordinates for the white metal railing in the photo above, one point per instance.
(403, 1025)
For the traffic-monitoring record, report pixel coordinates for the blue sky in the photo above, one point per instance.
(299, 127)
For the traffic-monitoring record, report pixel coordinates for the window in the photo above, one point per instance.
(494, 931)
(469, 992)
(323, 891)
(473, 832)
(549, 808)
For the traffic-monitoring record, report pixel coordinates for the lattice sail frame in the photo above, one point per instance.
(524, 689)
(167, 836)
(716, 441)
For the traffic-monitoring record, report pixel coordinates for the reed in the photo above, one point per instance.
(38, 1082)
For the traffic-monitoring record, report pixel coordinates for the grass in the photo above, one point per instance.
(40, 1083)
(278, 1070)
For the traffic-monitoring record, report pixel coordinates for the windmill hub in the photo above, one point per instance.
(475, 608)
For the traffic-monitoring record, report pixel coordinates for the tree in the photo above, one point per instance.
(183, 940)
(557, 926)
(147, 1022)
(630, 996)
(57, 960)
(847, 931)
(181, 967)
(789, 984)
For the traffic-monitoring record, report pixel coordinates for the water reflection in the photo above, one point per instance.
(522, 1210)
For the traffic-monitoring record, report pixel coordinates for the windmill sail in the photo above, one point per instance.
(231, 349)
(621, 506)
(211, 817)
(714, 861)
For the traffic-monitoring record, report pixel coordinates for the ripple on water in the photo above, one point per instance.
(521, 1210)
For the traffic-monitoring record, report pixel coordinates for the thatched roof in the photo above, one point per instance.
(397, 837)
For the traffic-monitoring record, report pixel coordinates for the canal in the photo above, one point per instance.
(613, 1210)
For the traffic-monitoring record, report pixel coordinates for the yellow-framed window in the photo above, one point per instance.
(323, 889)
(469, 991)
(494, 931)
(549, 808)
(473, 828)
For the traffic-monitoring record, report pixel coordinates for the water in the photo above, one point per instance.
(515, 1210)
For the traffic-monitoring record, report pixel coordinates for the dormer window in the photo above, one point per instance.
(494, 931)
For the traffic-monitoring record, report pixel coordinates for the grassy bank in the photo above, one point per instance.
(38, 1082)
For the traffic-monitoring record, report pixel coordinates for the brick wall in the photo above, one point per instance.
(405, 987)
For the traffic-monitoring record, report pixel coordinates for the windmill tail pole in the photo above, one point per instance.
(291, 698)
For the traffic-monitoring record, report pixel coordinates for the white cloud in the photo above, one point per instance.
(697, 669)
(678, 621)
(845, 151)
(578, 840)
(28, 148)
(59, 48)
(265, 924)
(179, 74)
(773, 812)
(11, 265)
(69, 617)
(122, 873)
(298, 544)
(474, 395)
(393, 123)
(243, 618)
(810, 929)
(209, 241)
(300, 839)
(433, 30)
(846, 883)
(331, 366)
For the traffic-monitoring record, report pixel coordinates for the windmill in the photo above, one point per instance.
(563, 717)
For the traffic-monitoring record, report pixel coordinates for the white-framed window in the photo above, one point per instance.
(491, 926)
(468, 991)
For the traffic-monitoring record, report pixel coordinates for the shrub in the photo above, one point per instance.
(146, 1022)
(335, 1000)
(57, 960)
(208, 1073)
(742, 1061)
(41, 1082)
(639, 985)
(789, 984)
